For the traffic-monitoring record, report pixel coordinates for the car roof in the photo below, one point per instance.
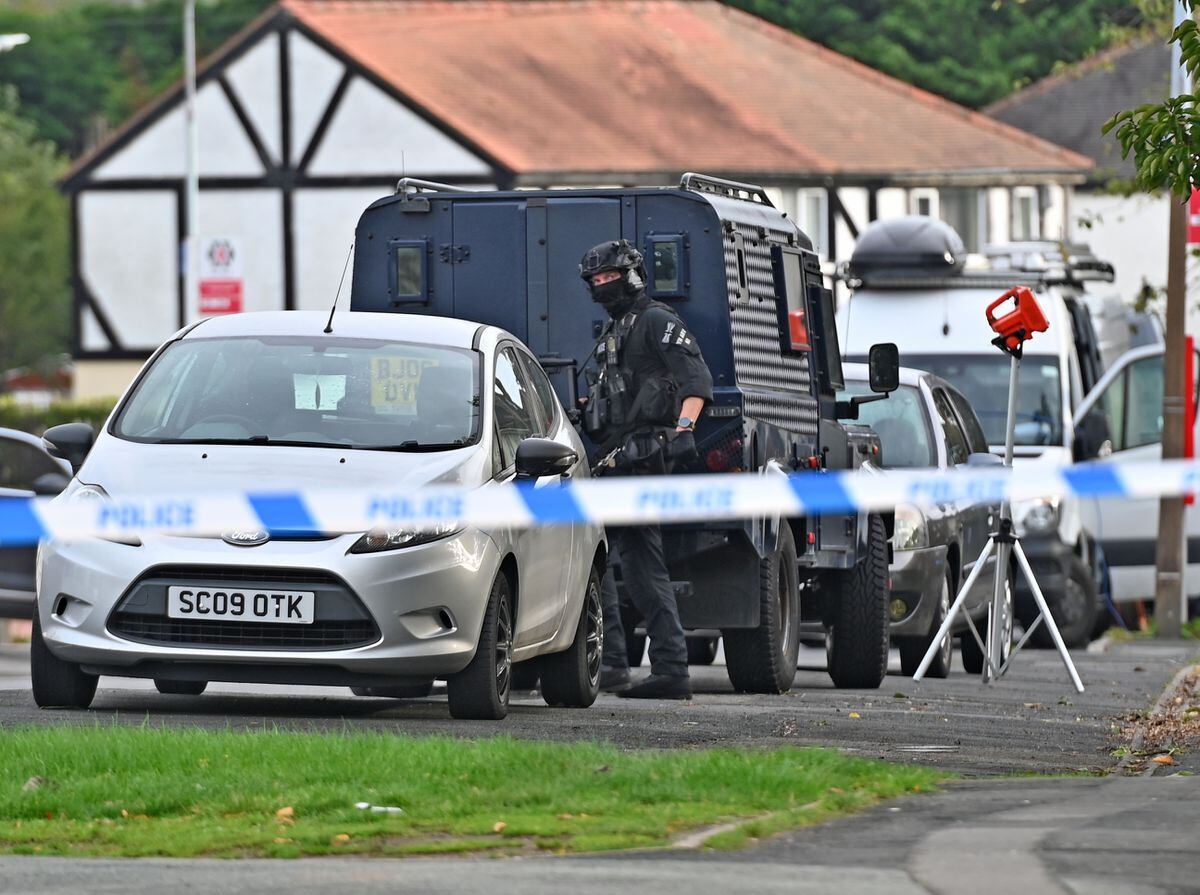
(19, 435)
(422, 328)
(862, 373)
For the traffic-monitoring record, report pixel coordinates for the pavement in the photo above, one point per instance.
(989, 832)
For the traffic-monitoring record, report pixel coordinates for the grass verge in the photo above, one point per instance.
(143, 791)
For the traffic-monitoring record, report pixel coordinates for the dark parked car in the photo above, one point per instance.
(25, 469)
(928, 423)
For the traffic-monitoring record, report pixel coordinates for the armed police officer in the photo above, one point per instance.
(650, 386)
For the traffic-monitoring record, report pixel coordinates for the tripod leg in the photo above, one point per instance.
(944, 630)
(1047, 618)
(995, 653)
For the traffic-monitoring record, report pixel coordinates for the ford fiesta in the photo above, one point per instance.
(271, 401)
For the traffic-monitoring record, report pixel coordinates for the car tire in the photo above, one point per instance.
(57, 684)
(407, 691)
(571, 679)
(763, 659)
(1074, 611)
(856, 644)
(180, 688)
(480, 691)
(702, 650)
(973, 658)
(913, 649)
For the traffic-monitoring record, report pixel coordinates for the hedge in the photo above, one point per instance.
(38, 419)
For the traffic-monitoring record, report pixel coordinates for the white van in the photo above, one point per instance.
(912, 285)
(1121, 421)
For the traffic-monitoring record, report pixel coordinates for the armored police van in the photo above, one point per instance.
(748, 284)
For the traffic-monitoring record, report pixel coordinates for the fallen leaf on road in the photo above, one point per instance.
(899, 695)
(1163, 759)
(855, 715)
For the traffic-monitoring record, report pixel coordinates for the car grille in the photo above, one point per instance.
(341, 619)
(243, 635)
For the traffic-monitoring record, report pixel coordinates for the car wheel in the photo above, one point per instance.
(857, 641)
(407, 691)
(480, 691)
(57, 684)
(1074, 611)
(702, 650)
(913, 649)
(973, 658)
(180, 688)
(763, 659)
(572, 678)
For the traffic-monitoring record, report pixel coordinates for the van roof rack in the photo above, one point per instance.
(409, 186)
(733, 189)
(1055, 262)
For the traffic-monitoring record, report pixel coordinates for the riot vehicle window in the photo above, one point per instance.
(348, 393)
(900, 423)
(21, 463)
(408, 271)
(516, 417)
(983, 379)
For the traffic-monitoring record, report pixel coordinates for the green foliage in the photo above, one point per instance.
(971, 51)
(1164, 138)
(152, 791)
(34, 298)
(90, 66)
(38, 419)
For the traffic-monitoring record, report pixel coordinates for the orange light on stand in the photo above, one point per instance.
(798, 330)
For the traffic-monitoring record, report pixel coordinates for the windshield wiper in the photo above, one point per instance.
(415, 447)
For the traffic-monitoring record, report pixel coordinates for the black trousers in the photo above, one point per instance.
(644, 574)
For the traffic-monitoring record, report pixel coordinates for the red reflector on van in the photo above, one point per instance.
(798, 330)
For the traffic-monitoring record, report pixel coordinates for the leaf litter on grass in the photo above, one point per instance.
(138, 791)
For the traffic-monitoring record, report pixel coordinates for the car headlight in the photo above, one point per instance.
(378, 539)
(80, 494)
(1036, 516)
(910, 528)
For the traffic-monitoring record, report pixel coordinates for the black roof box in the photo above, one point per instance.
(916, 246)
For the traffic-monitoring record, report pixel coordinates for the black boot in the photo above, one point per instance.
(614, 679)
(660, 686)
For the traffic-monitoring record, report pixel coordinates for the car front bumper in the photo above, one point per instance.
(916, 577)
(409, 593)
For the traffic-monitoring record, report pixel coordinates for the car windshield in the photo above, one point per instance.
(983, 378)
(900, 423)
(320, 392)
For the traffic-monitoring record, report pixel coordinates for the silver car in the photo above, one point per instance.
(270, 402)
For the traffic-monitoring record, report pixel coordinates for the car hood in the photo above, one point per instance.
(124, 467)
(1052, 456)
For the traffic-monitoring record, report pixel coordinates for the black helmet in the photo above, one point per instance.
(619, 254)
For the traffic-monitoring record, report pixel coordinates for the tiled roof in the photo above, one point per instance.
(1070, 107)
(560, 87)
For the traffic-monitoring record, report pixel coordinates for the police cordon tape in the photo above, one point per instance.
(612, 501)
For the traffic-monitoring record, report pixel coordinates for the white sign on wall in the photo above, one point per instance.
(222, 289)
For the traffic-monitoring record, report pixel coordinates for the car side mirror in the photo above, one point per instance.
(70, 442)
(883, 363)
(537, 457)
(49, 484)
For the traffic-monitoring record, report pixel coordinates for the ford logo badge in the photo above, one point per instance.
(246, 537)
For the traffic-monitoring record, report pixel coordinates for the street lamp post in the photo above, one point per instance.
(191, 200)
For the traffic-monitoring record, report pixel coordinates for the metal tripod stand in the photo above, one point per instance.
(1006, 544)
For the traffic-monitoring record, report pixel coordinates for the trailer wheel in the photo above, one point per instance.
(763, 659)
(857, 641)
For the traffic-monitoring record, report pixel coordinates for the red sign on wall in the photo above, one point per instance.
(221, 285)
(1193, 230)
(220, 296)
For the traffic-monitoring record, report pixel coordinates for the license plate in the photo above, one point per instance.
(231, 604)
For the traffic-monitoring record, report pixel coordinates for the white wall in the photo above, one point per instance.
(324, 228)
(253, 220)
(1131, 232)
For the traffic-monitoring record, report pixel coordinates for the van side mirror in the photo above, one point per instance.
(537, 457)
(1091, 438)
(70, 442)
(883, 363)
